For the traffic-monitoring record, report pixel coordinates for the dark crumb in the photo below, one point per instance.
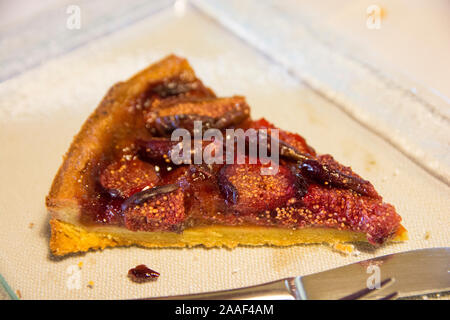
(90, 284)
(19, 294)
(142, 273)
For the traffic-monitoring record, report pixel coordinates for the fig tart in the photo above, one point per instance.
(119, 184)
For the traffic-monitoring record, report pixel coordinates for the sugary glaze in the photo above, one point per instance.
(136, 186)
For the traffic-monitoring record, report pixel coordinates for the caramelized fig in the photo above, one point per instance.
(178, 86)
(159, 208)
(161, 149)
(125, 177)
(327, 174)
(144, 195)
(325, 170)
(248, 191)
(212, 112)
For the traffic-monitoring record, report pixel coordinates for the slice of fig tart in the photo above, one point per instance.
(122, 181)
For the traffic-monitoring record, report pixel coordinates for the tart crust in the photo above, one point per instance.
(67, 238)
(69, 235)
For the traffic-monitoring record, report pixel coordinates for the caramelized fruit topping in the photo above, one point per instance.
(212, 112)
(181, 86)
(160, 212)
(145, 191)
(326, 170)
(146, 194)
(344, 209)
(142, 273)
(124, 178)
(248, 191)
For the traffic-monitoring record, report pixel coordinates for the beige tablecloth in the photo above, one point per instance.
(43, 108)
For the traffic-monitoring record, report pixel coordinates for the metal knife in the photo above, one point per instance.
(413, 273)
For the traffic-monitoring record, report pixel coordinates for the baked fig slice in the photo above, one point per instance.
(212, 112)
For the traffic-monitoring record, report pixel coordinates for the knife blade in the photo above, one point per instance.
(414, 273)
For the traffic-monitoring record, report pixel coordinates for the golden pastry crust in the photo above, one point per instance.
(67, 238)
(95, 139)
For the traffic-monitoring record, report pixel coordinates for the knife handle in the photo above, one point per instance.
(276, 290)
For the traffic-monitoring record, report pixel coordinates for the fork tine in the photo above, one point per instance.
(391, 296)
(365, 292)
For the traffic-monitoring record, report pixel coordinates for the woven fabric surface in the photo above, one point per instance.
(42, 109)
